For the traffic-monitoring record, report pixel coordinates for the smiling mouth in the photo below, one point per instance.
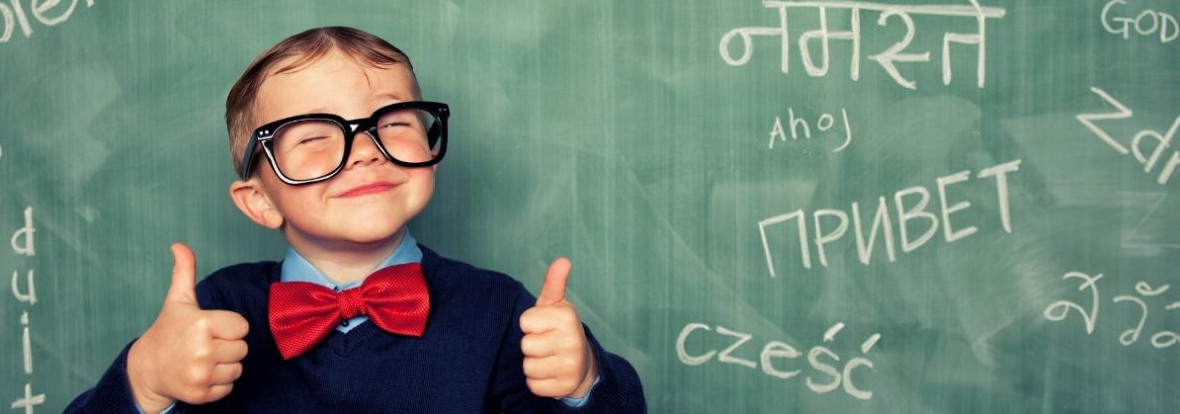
(367, 189)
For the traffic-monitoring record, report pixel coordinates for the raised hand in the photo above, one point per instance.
(188, 354)
(558, 361)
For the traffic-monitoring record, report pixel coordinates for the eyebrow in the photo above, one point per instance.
(395, 97)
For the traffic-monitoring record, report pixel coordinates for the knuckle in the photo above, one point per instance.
(567, 386)
(243, 350)
(571, 318)
(570, 365)
(202, 351)
(541, 388)
(197, 375)
(571, 344)
(214, 395)
(202, 323)
(243, 324)
(529, 367)
(195, 395)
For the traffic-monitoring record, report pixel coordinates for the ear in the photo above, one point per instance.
(255, 203)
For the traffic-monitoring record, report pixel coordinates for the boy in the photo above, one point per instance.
(336, 150)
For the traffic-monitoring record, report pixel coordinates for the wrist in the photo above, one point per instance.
(588, 380)
(141, 391)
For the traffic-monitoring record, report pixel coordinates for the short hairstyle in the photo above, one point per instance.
(306, 48)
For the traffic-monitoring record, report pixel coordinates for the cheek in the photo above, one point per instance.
(424, 184)
(288, 199)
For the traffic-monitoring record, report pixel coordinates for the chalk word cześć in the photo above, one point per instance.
(820, 358)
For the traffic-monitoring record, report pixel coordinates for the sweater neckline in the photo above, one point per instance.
(346, 343)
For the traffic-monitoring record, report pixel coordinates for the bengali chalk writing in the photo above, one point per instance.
(886, 59)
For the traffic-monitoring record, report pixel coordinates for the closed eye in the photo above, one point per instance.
(394, 124)
(312, 139)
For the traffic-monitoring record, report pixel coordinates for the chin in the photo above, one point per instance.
(375, 232)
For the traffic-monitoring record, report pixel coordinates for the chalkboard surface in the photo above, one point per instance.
(960, 206)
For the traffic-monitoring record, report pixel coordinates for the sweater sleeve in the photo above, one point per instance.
(618, 390)
(112, 394)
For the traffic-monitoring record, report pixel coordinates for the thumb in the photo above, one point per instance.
(553, 291)
(184, 275)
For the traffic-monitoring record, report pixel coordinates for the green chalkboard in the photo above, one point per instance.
(943, 206)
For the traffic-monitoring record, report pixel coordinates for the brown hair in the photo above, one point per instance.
(306, 47)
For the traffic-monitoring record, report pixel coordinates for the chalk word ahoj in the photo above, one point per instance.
(888, 58)
(1162, 141)
(13, 14)
(819, 358)
(825, 122)
(826, 234)
(1146, 23)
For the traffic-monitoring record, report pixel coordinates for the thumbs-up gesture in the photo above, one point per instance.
(558, 361)
(188, 354)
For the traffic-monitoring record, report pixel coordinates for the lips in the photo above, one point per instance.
(371, 188)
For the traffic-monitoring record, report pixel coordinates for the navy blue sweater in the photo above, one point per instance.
(468, 360)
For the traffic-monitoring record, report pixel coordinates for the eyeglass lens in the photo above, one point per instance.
(313, 148)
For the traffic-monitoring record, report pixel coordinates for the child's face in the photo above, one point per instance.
(371, 199)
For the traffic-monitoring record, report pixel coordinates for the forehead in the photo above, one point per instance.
(334, 83)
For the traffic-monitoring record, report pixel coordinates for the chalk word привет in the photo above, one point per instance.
(14, 14)
(1146, 23)
(1059, 310)
(824, 123)
(1162, 141)
(881, 219)
(887, 58)
(777, 350)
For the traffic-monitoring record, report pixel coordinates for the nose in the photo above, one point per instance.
(364, 150)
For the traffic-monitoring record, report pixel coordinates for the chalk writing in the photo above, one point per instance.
(14, 14)
(820, 358)
(1060, 310)
(824, 123)
(23, 243)
(827, 233)
(1162, 141)
(1146, 23)
(887, 59)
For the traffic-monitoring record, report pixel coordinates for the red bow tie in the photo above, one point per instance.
(302, 314)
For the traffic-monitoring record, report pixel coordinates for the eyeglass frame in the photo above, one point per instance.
(265, 135)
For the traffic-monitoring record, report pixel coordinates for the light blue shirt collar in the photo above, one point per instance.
(295, 268)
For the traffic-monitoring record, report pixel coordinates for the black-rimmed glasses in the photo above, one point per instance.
(311, 148)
